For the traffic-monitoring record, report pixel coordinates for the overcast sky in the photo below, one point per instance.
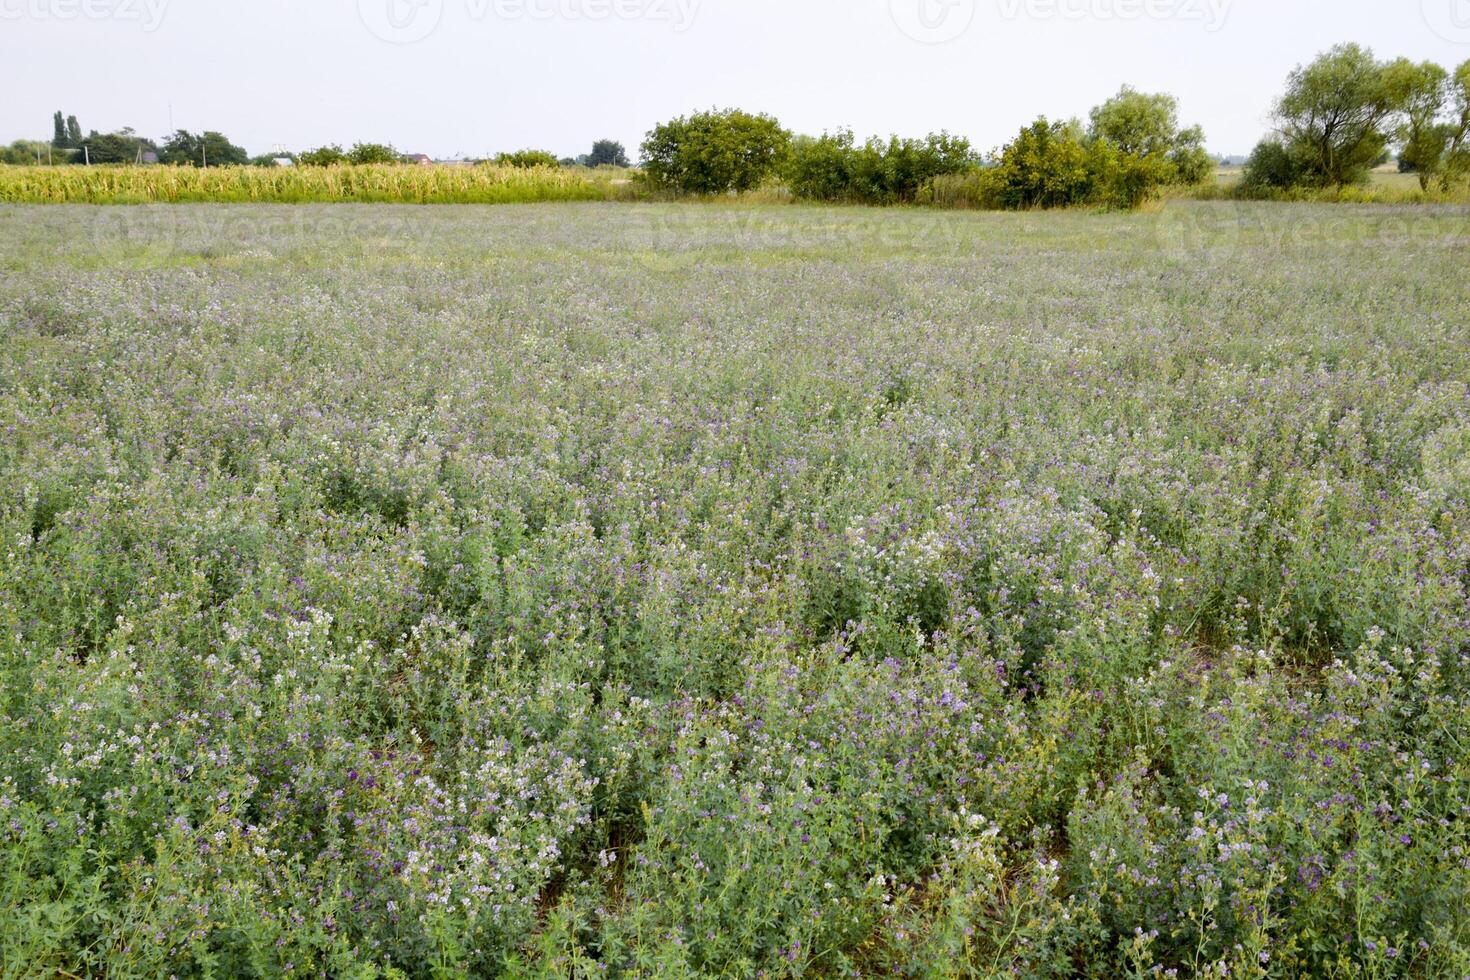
(448, 77)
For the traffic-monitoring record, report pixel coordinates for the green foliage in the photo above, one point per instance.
(67, 132)
(1193, 164)
(824, 593)
(209, 149)
(527, 159)
(715, 152)
(1342, 113)
(1143, 148)
(121, 147)
(365, 154)
(833, 168)
(821, 168)
(1272, 168)
(24, 153)
(1133, 148)
(331, 155)
(1049, 165)
(606, 153)
(385, 183)
(1336, 115)
(1455, 167)
(1421, 91)
(1138, 124)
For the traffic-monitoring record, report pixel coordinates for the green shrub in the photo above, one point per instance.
(833, 168)
(528, 159)
(364, 154)
(323, 156)
(1048, 165)
(1271, 167)
(715, 152)
(208, 149)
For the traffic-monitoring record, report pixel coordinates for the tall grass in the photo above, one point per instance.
(1382, 188)
(484, 184)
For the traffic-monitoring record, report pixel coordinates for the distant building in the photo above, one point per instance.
(418, 158)
(148, 158)
(283, 162)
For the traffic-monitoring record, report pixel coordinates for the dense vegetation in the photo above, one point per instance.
(481, 184)
(716, 152)
(527, 159)
(1341, 114)
(659, 591)
(1133, 148)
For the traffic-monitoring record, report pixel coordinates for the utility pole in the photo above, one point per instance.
(87, 154)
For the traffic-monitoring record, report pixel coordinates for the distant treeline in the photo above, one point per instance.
(1340, 116)
(1132, 147)
(214, 149)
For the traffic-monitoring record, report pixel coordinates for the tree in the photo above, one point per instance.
(714, 152)
(73, 132)
(821, 168)
(1143, 147)
(607, 153)
(323, 156)
(1192, 162)
(59, 139)
(1420, 91)
(209, 149)
(1334, 117)
(1137, 123)
(363, 154)
(1271, 167)
(124, 146)
(1048, 165)
(527, 159)
(1457, 153)
(25, 152)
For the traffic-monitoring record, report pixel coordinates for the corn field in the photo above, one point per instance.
(482, 184)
